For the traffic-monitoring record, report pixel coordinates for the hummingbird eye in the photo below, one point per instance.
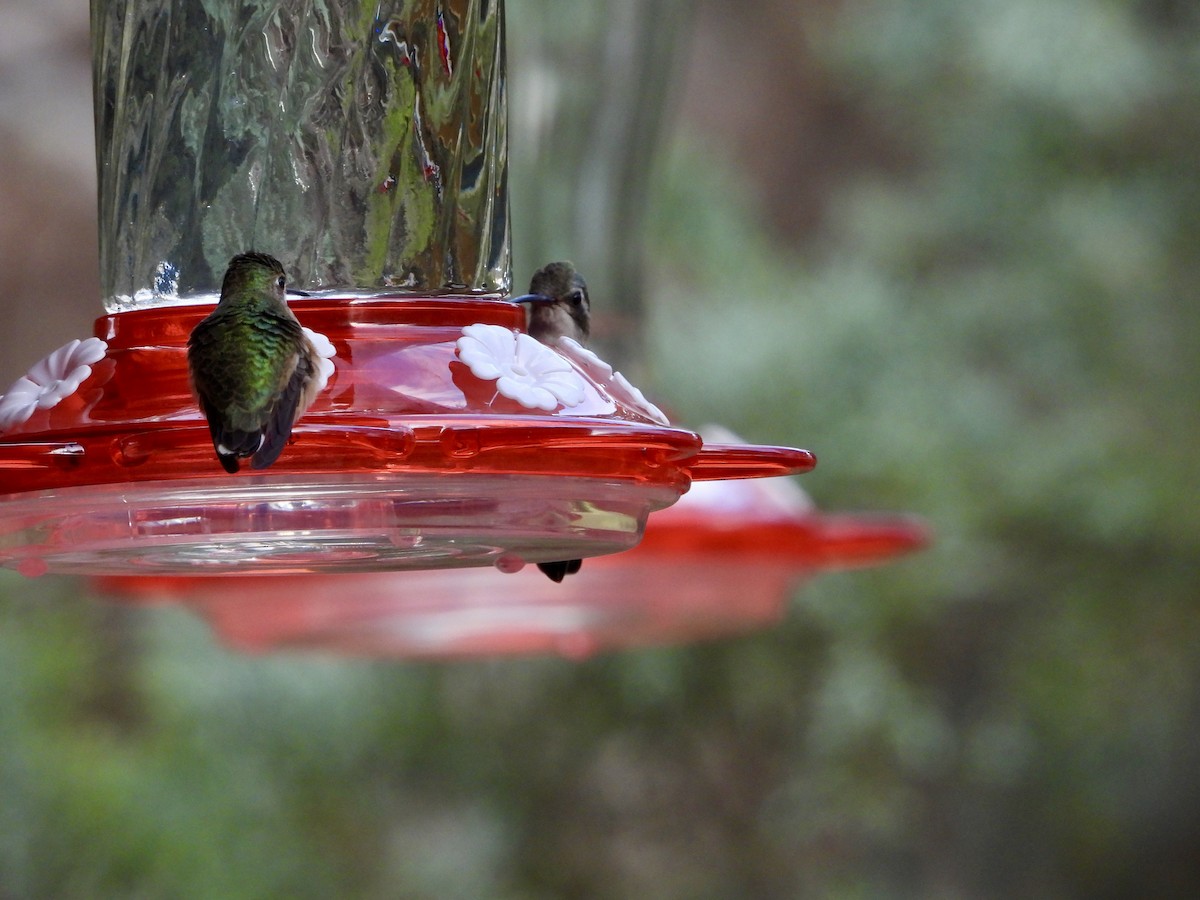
(281, 282)
(575, 297)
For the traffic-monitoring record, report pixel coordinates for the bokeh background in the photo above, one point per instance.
(951, 246)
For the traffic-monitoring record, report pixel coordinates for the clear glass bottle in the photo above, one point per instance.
(363, 143)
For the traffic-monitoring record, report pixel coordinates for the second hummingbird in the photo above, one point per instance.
(252, 367)
(559, 306)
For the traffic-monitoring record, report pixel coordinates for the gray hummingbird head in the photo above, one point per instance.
(558, 304)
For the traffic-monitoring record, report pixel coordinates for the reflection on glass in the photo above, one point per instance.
(361, 142)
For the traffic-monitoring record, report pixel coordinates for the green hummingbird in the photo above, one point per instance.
(559, 306)
(251, 365)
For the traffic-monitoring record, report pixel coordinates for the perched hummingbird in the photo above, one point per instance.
(558, 307)
(558, 304)
(251, 365)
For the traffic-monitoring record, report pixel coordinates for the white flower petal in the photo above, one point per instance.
(53, 392)
(523, 369)
(635, 398)
(478, 359)
(325, 351)
(50, 380)
(566, 386)
(486, 353)
(490, 342)
(14, 413)
(592, 364)
(531, 396)
(90, 352)
(323, 374)
(66, 359)
(24, 388)
(18, 403)
(59, 390)
(537, 357)
(320, 343)
(50, 368)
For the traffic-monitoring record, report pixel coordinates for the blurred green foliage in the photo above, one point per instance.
(999, 334)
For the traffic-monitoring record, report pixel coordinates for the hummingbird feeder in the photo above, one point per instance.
(364, 144)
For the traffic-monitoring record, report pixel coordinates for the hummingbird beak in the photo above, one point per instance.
(298, 292)
(532, 298)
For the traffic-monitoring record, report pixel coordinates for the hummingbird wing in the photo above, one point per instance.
(216, 369)
(293, 400)
(232, 445)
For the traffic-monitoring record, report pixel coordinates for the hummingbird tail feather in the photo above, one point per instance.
(232, 444)
(557, 571)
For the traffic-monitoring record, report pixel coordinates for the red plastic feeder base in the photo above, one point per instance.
(409, 458)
